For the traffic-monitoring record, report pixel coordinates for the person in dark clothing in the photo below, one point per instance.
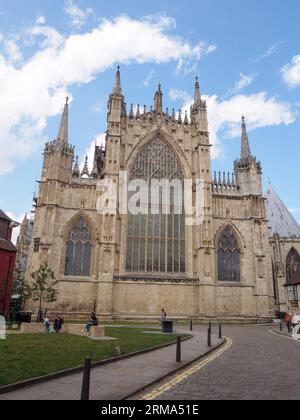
(58, 323)
(93, 322)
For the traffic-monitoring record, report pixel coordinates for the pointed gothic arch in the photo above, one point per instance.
(78, 248)
(236, 231)
(292, 263)
(229, 255)
(156, 242)
(169, 140)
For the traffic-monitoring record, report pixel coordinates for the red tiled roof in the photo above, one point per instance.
(6, 245)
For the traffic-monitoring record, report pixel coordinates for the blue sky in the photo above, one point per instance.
(246, 54)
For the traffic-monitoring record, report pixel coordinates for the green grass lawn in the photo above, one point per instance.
(26, 356)
(123, 323)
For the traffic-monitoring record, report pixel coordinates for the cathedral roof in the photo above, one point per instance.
(280, 219)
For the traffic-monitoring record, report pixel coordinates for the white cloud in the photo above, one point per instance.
(40, 20)
(149, 78)
(12, 51)
(90, 151)
(182, 95)
(188, 65)
(260, 110)
(273, 49)
(16, 230)
(79, 17)
(244, 81)
(225, 115)
(161, 20)
(46, 37)
(211, 48)
(36, 90)
(291, 72)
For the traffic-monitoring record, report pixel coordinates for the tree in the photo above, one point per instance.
(43, 289)
(21, 287)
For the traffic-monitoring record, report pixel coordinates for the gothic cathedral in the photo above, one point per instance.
(130, 266)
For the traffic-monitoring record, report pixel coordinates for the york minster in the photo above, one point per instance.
(237, 265)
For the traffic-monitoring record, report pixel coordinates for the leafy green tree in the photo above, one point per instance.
(43, 288)
(21, 287)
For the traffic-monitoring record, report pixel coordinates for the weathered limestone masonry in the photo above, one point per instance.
(227, 263)
(285, 245)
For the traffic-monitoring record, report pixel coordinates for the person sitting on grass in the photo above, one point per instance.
(93, 322)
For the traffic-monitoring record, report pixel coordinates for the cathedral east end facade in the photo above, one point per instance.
(132, 265)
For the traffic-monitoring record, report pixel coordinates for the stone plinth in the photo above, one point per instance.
(33, 328)
(97, 332)
(75, 329)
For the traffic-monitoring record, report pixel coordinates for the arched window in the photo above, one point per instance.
(292, 263)
(156, 240)
(79, 248)
(228, 257)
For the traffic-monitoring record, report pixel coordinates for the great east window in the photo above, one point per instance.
(156, 238)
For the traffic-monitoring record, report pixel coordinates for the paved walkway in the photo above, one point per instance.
(260, 365)
(117, 380)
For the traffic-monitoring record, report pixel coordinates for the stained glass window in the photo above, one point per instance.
(156, 242)
(292, 263)
(78, 251)
(228, 257)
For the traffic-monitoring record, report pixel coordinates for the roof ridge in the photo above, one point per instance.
(281, 220)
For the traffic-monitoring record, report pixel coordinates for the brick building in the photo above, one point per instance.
(7, 261)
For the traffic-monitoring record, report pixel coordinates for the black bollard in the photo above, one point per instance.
(209, 326)
(85, 390)
(220, 331)
(209, 337)
(281, 326)
(191, 325)
(178, 350)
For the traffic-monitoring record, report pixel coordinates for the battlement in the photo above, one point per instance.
(57, 146)
(225, 184)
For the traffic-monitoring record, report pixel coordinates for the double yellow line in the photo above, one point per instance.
(188, 372)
